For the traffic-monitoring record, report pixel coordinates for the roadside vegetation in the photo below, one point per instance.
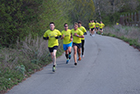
(128, 34)
(26, 58)
(22, 25)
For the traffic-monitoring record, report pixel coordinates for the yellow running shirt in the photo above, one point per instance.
(67, 36)
(97, 24)
(101, 26)
(52, 40)
(117, 23)
(90, 25)
(93, 25)
(83, 30)
(75, 38)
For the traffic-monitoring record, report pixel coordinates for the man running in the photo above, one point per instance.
(52, 36)
(90, 26)
(67, 42)
(93, 28)
(97, 26)
(82, 39)
(101, 27)
(77, 35)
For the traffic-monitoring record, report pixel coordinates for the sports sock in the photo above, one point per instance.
(67, 56)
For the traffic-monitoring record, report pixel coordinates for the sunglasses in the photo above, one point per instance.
(65, 26)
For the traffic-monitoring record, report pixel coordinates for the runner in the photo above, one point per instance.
(93, 28)
(90, 26)
(82, 39)
(101, 27)
(52, 36)
(97, 26)
(117, 23)
(77, 35)
(67, 42)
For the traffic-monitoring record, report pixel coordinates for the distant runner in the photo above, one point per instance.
(93, 28)
(90, 26)
(97, 26)
(101, 27)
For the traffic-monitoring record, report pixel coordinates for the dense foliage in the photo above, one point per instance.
(22, 25)
(109, 11)
(21, 54)
(18, 18)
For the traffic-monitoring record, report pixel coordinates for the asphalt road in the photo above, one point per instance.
(110, 66)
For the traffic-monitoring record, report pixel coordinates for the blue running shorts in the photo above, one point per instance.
(66, 46)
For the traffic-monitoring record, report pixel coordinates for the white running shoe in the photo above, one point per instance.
(93, 35)
(83, 56)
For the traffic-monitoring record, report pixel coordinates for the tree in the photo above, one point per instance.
(83, 10)
(111, 9)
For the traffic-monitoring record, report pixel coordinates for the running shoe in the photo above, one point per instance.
(90, 35)
(53, 69)
(83, 56)
(69, 56)
(67, 61)
(93, 35)
(75, 64)
(79, 59)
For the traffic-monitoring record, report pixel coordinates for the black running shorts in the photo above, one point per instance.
(52, 48)
(79, 45)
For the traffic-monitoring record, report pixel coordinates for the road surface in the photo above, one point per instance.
(110, 66)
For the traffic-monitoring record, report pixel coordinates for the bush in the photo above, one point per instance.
(28, 57)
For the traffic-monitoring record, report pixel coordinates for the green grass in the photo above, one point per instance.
(26, 58)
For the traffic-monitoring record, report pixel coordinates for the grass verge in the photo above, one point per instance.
(24, 59)
(130, 35)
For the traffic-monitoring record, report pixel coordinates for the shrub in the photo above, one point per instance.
(28, 57)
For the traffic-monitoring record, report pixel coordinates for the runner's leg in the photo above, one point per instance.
(75, 53)
(53, 54)
(66, 54)
(69, 51)
(79, 53)
(83, 42)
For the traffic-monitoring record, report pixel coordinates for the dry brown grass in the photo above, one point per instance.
(126, 31)
(32, 50)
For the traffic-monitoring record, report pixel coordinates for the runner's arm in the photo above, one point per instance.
(62, 36)
(45, 38)
(71, 38)
(82, 36)
(57, 37)
(85, 33)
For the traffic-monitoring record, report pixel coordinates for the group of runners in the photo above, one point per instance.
(71, 38)
(94, 27)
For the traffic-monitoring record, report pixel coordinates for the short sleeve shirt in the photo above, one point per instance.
(90, 25)
(52, 40)
(102, 25)
(67, 36)
(83, 30)
(75, 38)
(93, 25)
(97, 24)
